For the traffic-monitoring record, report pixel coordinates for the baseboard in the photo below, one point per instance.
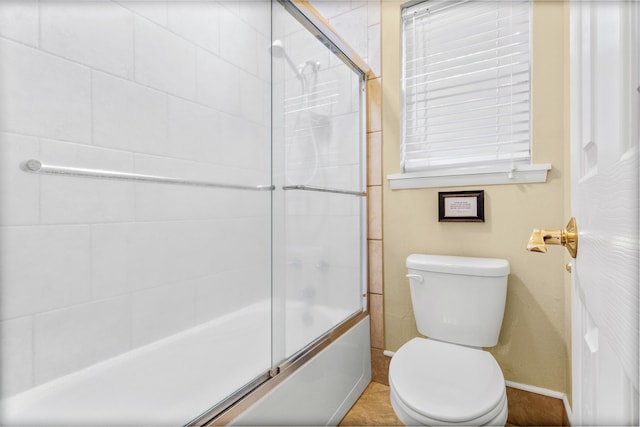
(536, 390)
(567, 409)
(545, 392)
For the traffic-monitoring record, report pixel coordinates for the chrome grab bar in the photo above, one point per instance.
(325, 190)
(36, 166)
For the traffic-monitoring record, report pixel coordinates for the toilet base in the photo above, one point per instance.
(407, 420)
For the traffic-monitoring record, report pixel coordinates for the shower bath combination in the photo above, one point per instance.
(158, 199)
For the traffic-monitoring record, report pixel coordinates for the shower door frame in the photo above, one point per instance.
(224, 412)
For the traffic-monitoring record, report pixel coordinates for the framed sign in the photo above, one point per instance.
(461, 206)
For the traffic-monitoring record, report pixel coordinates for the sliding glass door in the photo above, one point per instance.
(318, 169)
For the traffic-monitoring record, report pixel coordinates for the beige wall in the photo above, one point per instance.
(533, 343)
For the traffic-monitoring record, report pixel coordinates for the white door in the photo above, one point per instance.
(605, 102)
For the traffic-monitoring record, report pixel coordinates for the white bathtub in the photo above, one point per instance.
(148, 386)
(323, 390)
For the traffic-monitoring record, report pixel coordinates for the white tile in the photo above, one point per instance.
(283, 23)
(341, 292)
(70, 339)
(231, 290)
(194, 131)
(98, 34)
(342, 240)
(264, 58)
(343, 143)
(373, 55)
(298, 203)
(330, 8)
(301, 47)
(132, 257)
(111, 262)
(19, 191)
(373, 12)
(129, 116)
(17, 356)
(352, 27)
(219, 83)
(171, 202)
(197, 22)
(238, 42)
(154, 10)
(247, 145)
(358, 3)
(85, 200)
(43, 95)
(255, 99)
(256, 13)
(241, 240)
(19, 20)
(163, 60)
(232, 5)
(43, 268)
(160, 312)
(348, 90)
(158, 202)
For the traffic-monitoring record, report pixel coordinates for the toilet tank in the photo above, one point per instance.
(458, 299)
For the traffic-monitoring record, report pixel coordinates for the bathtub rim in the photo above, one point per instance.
(234, 405)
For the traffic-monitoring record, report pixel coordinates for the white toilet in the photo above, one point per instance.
(448, 379)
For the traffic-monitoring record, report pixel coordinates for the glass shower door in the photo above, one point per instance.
(317, 104)
(134, 290)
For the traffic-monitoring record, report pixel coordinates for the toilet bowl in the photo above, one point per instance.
(447, 379)
(440, 384)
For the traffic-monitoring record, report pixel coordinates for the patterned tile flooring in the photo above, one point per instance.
(373, 409)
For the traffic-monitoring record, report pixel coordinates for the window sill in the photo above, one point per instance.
(520, 174)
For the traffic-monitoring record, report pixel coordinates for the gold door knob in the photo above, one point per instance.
(568, 238)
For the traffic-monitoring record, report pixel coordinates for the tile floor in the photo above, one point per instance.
(373, 409)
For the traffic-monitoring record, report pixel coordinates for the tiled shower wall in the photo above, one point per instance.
(95, 268)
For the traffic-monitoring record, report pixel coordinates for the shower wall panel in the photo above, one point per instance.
(89, 268)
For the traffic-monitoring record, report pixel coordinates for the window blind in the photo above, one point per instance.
(466, 84)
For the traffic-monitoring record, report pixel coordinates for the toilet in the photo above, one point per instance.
(447, 379)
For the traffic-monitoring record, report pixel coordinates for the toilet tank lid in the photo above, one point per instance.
(469, 266)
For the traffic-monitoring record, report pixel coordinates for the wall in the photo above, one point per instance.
(91, 269)
(533, 343)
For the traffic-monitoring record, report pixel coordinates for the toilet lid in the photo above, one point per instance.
(446, 381)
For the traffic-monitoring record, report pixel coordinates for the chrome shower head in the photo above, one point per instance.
(277, 51)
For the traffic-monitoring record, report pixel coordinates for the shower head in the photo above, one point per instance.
(277, 50)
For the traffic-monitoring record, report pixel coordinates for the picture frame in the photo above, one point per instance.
(461, 206)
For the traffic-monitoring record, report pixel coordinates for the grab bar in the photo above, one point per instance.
(36, 166)
(325, 190)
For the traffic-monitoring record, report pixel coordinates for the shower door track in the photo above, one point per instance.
(234, 405)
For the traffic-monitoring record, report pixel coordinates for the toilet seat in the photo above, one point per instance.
(496, 417)
(439, 383)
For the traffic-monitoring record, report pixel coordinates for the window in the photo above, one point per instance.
(466, 94)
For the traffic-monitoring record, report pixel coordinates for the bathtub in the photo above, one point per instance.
(147, 387)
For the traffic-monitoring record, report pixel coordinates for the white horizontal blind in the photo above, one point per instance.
(466, 84)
